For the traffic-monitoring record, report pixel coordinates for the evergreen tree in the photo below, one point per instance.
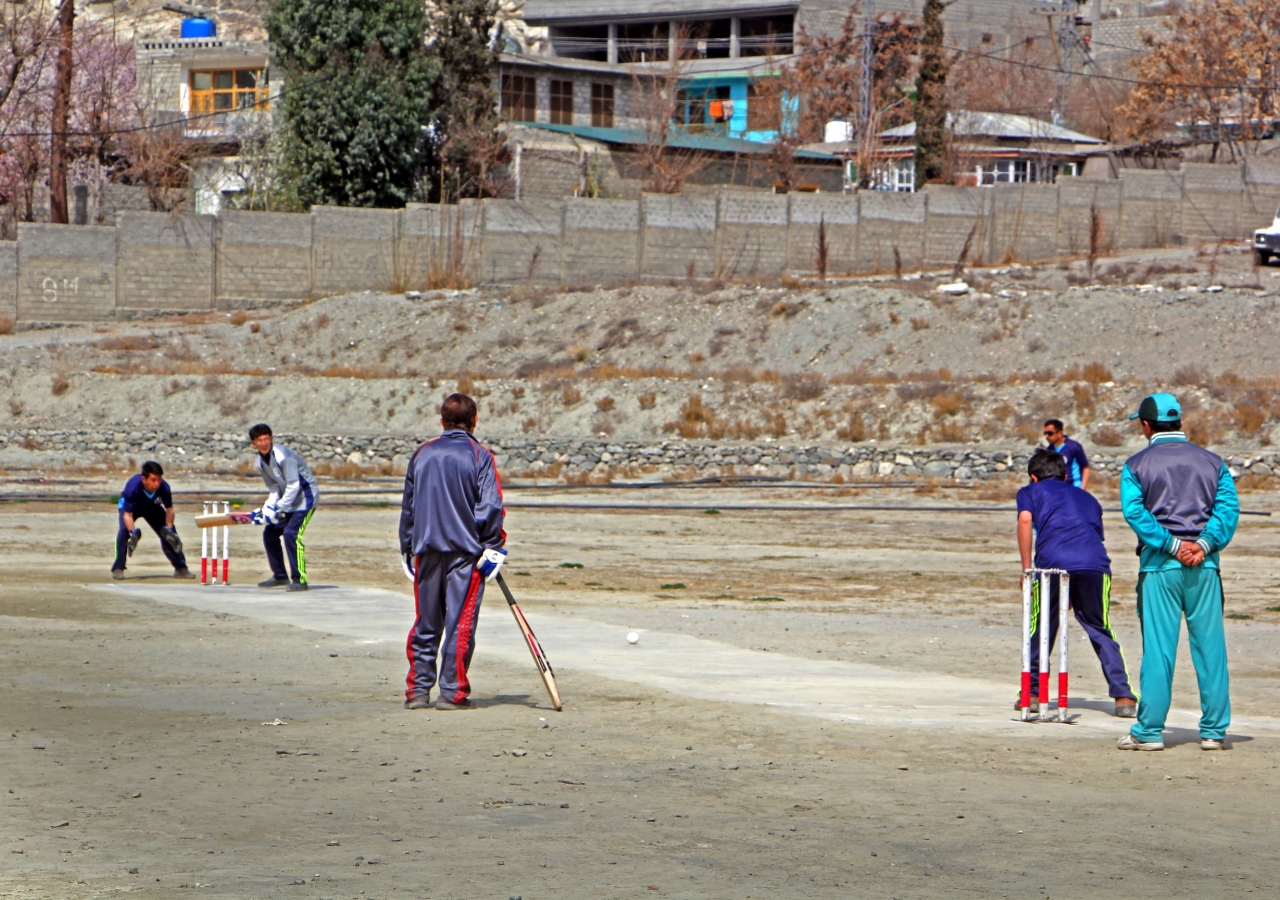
(357, 94)
(931, 98)
(466, 146)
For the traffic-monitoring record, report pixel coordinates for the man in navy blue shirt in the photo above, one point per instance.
(147, 496)
(1072, 453)
(451, 538)
(1065, 525)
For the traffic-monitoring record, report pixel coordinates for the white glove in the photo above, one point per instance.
(490, 563)
(271, 514)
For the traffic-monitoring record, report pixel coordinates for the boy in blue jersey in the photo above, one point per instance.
(1072, 453)
(146, 496)
(1180, 500)
(1064, 523)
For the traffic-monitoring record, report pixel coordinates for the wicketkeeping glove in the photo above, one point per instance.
(407, 560)
(265, 515)
(170, 535)
(134, 537)
(490, 563)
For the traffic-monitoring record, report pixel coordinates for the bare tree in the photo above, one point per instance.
(660, 105)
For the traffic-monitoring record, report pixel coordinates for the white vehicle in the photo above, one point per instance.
(1266, 241)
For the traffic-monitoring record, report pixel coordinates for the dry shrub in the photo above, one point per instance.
(1205, 430)
(783, 308)
(1190, 375)
(777, 423)
(1251, 481)
(647, 400)
(991, 335)
(517, 392)
(949, 432)
(570, 396)
(1094, 373)
(213, 385)
(863, 375)
(1249, 418)
(695, 418)
(919, 324)
(579, 353)
(697, 357)
(855, 429)
(1082, 395)
(59, 386)
(255, 327)
(510, 339)
(174, 387)
(604, 404)
(529, 424)
(947, 404)
(465, 385)
(345, 470)
(1108, 436)
(322, 320)
(129, 343)
(239, 317)
(1004, 412)
(808, 386)
(6, 325)
(460, 326)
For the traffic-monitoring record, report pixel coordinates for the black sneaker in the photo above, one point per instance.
(273, 582)
(298, 586)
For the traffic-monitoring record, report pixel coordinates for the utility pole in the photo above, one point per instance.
(868, 65)
(1072, 50)
(58, 211)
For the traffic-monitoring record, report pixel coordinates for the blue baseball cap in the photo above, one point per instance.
(1159, 408)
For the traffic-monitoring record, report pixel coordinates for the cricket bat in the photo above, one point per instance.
(214, 520)
(539, 658)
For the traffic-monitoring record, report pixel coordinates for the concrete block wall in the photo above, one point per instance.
(888, 222)
(523, 242)
(353, 250)
(150, 262)
(1025, 222)
(66, 273)
(750, 227)
(262, 258)
(601, 240)
(1150, 209)
(1211, 202)
(957, 215)
(838, 215)
(164, 262)
(679, 235)
(9, 280)
(1077, 198)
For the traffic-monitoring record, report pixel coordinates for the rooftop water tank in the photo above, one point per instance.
(837, 132)
(199, 28)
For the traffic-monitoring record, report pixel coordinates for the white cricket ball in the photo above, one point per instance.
(633, 637)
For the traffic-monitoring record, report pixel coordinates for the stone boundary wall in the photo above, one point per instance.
(578, 459)
(152, 263)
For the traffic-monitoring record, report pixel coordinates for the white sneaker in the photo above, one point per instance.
(1129, 742)
(1207, 744)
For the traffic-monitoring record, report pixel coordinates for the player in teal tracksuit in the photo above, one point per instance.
(1181, 502)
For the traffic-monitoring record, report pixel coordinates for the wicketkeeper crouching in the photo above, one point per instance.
(451, 539)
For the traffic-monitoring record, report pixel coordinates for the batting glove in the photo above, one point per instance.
(490, 563)
(407, 560)
(270, 514)
(134, 537)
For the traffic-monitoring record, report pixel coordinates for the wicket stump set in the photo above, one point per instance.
(208, 535)
(1044, 578)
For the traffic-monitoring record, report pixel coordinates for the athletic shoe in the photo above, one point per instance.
(298, 586)
(117, 574)
(1129, 742)
(274, 582)
(1126, 708)
(422, 701)
(184, 572)
(1208, 744)
(442, 703)
(1017, 704)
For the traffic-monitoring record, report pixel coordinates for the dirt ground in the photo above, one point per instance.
(136, 736)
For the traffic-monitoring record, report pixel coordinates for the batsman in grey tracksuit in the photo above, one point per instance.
(451, 518)
(287, 510)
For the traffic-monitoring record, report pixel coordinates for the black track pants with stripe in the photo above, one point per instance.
(448, 590)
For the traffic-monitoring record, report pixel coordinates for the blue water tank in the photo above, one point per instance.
(199, 28)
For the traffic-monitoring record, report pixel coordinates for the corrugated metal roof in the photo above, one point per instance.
(545, 12)
(679, 140)
(999, 125)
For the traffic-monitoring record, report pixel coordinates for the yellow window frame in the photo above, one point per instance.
(229, 90)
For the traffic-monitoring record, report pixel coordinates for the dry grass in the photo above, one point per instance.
(808, 386)
(59, 385)
(1107, 436)
(129, 343)
(7, 325)
(238, 318)
(605, 404)
(947, 403)
(854, 429)
(1094, 373)
(647, 400)
(570, 396)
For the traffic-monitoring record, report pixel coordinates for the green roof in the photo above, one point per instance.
(709, 143)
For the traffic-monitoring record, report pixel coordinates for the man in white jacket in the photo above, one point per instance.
(287, 510)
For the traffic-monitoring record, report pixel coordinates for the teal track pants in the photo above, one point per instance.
(1163, 598)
